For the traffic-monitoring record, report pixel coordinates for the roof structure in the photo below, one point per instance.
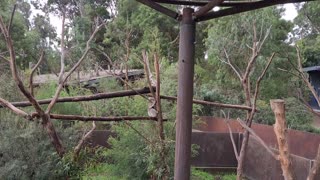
(312, 68)
(205, 7)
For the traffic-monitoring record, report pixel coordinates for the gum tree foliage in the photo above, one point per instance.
(233, 35)
(307, 33)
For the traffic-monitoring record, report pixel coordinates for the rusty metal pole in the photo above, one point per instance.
(185, 96)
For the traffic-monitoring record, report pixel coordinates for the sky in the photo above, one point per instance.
(290, 12)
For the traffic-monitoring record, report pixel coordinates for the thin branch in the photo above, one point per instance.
(226, 120)
(316, 166)
(215, 104)
(254, 135)
(256, 92)
(158, 98)
(284, 70)
(14, 69)
(138, 132)
(58, 90)
(63, 51)
(307, 105)
(103, 119)
(11, 19)
(14, 109)
(5, 59)
(78, 148)
(304, 78)
(228, 62)
(147, 71)
(33, 71)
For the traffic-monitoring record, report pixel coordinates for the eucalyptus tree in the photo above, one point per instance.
(234, 36)
(307, 32)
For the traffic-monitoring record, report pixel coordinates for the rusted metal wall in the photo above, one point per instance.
(215, 149)
(259, 164)
(302, 144)
(216, 153)
(100, 138)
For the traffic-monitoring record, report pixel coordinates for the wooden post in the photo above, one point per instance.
(280, 129)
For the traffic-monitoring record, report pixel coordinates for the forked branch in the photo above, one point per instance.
(33, 70)
(58, 90)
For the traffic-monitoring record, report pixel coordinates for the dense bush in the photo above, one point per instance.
(26, 151)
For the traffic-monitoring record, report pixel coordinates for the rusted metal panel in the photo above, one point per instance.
(100, 138)
(215, 149)
(259, 164)
(302, 144)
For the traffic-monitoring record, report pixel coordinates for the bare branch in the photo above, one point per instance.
(228, 62)
(33, 71)
(14, 109)
(11, 19)
(63, 51)
(284, 70)
(104, 119)
(56, 96)
(138, 132)
(256, 92)
(5, 59)
(226, 120)
(14, 70)
(304, 78)
(44, 117)
(306, 104)
(316, 166)
(148, 71)
(78, 148)
(88, 98)
(254, 135)
(215, 104)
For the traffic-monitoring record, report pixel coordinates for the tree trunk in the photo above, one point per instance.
(54, 138)
(280, 129)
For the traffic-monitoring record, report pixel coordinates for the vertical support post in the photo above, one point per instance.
(185, 96)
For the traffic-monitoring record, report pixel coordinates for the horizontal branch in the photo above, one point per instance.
(117, 94)
(104, 119)
(87, 98)
(5, 103)
(208, 103)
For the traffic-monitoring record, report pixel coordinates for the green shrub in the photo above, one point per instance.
(26, 151)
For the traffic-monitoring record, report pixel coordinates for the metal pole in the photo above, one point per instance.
(185, 96)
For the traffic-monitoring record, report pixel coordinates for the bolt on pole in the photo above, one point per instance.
(185, 96)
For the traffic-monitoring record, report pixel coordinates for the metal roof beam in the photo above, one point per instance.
(202, 2)
(160, 8)
(245, 8)
(208, 7)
